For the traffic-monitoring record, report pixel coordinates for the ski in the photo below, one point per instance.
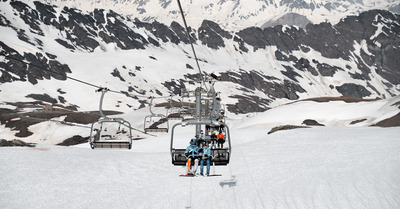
(191, 175)
(187, 175)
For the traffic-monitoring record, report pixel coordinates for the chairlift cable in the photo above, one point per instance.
(75, 79)
(191, 43)
(50, 71)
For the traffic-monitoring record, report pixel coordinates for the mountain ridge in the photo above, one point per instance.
(234, 14)
(293, 47)
(260, 68)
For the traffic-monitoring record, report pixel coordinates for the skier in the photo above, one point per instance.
(191, 154)
(221, 125)
(205, 157)
(220, 140)
(201, 139)
(213, 139)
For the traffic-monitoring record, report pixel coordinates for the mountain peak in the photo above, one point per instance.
(233, 14)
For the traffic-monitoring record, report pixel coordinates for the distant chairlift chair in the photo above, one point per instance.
(173, 113)
(151, 124)
(186, 110)
(110, 132)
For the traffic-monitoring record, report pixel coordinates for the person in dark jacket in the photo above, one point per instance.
(201, 139)
(205, 157)
(213, 139)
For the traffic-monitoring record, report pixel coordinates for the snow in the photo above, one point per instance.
(333, 113)
(339, 166)
(324, 167)
(49, 132)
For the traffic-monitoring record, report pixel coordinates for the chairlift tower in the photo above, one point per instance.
(198, 110)
(203, 117)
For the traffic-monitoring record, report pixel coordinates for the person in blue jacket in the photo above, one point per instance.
(205, 157)
(192, 154)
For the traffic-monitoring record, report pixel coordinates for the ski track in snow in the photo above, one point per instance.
(320, 167)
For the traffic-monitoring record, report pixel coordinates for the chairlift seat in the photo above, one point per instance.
(178, 157)
(221, 156)
(156, 130)
(174, 116)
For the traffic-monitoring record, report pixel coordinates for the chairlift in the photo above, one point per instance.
(153, 121)
(173, 113)
(202, 115)
(110, 132)
(219, 156)
(186, 109)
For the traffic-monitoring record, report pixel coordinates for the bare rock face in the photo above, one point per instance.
(14, 143)
(390, 122)
(354, 90)
(285, 127)
(311, 122)
(15, 70)
(211, 35)
(74, 141)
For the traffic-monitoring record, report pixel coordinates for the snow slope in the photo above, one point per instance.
(320, 167)
(333, 113)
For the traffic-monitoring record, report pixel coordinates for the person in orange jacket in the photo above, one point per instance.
(220, 140)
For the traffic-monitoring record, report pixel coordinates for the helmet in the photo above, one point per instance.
(193, 141)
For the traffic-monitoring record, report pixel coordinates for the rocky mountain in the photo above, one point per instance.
(288, 19)
(53, 58)
(233, 15)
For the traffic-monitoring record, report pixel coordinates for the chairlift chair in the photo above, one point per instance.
(220, 156)
(173, 113)
(151, 124)
(186, 110)
(110, 132)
